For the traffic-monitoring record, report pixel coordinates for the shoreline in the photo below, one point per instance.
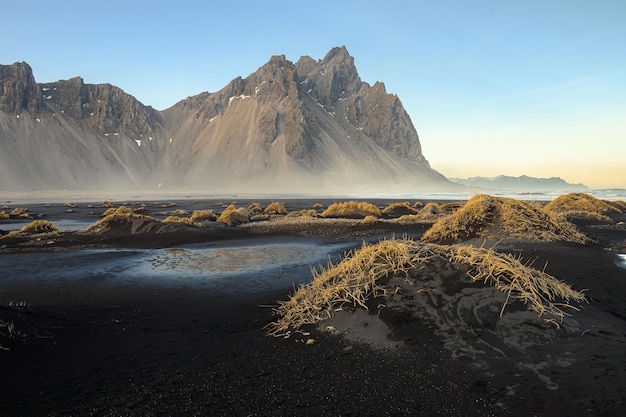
(102, 347)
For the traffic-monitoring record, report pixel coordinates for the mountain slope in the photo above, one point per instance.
(72, 135)
(312, 126)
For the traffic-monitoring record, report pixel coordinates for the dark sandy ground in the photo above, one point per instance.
(145, 349)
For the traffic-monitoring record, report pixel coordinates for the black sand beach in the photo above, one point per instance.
(127, 347)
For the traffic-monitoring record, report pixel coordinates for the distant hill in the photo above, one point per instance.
(309, 126)
(520, 184)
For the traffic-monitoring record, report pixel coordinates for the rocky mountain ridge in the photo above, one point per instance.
(309, 126)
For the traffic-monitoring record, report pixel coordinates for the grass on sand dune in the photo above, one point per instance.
(303, 213)
(233, 216)
(21, 212)
(581, 204)
(275, 208)
(40, 226)
(369, 220)
(399, 209)
(357, 277)
(255, 208)
(485, 216)
(197, 218)
(352, 209)
(36, 226)
(113, 215)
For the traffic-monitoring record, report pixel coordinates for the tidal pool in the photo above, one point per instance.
(237, 267)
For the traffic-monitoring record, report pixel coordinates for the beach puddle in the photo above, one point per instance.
(236, 267)
(231, 260)
(621, 260)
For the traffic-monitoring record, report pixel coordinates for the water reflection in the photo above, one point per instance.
(233, 267)
(621, 260)
(232, 260)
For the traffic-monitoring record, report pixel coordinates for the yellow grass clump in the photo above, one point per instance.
(275, 208)
(199, 216)
(399, 209)
(70, 204)
(233, 216)
(40, 226)
(37, 226)
(430, 209)
(356, 278)
(317, 206)
(303, 213)
(121, 214)
(196, 219)
(175, 219)
(255, 208)
(369, 220)
(352, 209)
(581, 204)
(3, 215)
(414, 219)
(19, 212)
(485, 216)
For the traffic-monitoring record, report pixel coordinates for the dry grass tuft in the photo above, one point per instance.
(275, 208)
(620, 204)
(415, 219)
(303, 213)
(317, 206)
(21, 212)
(39, 226)
(112, 215)
(4, 215)
(70, 204)
(200, 216)
(536, 289)
(357, 278)
(399, 209)
(176, 219)
(106, 203)
(430, 210)
(369, 220)
(485, 216)
(352, 210)
(255, 208)
(581, 204)
(233, 216)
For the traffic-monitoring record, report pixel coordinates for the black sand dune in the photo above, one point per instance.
(103, 348)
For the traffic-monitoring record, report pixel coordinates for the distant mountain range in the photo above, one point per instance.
(520, 184)
(309, 126)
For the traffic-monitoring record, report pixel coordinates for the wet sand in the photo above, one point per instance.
(141, 347)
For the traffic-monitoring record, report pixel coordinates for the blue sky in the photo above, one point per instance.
(493, 87)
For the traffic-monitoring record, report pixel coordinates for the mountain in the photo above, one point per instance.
(521, 184)
(309, 126)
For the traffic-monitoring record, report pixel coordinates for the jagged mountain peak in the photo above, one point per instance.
(303, 127)
(18, 89)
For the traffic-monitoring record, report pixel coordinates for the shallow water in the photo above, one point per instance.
(64, 225)
(233, 268)
(621, 260)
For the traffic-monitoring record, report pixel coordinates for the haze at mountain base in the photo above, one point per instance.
(312, 126)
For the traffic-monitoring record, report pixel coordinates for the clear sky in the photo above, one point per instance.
(535, 87)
